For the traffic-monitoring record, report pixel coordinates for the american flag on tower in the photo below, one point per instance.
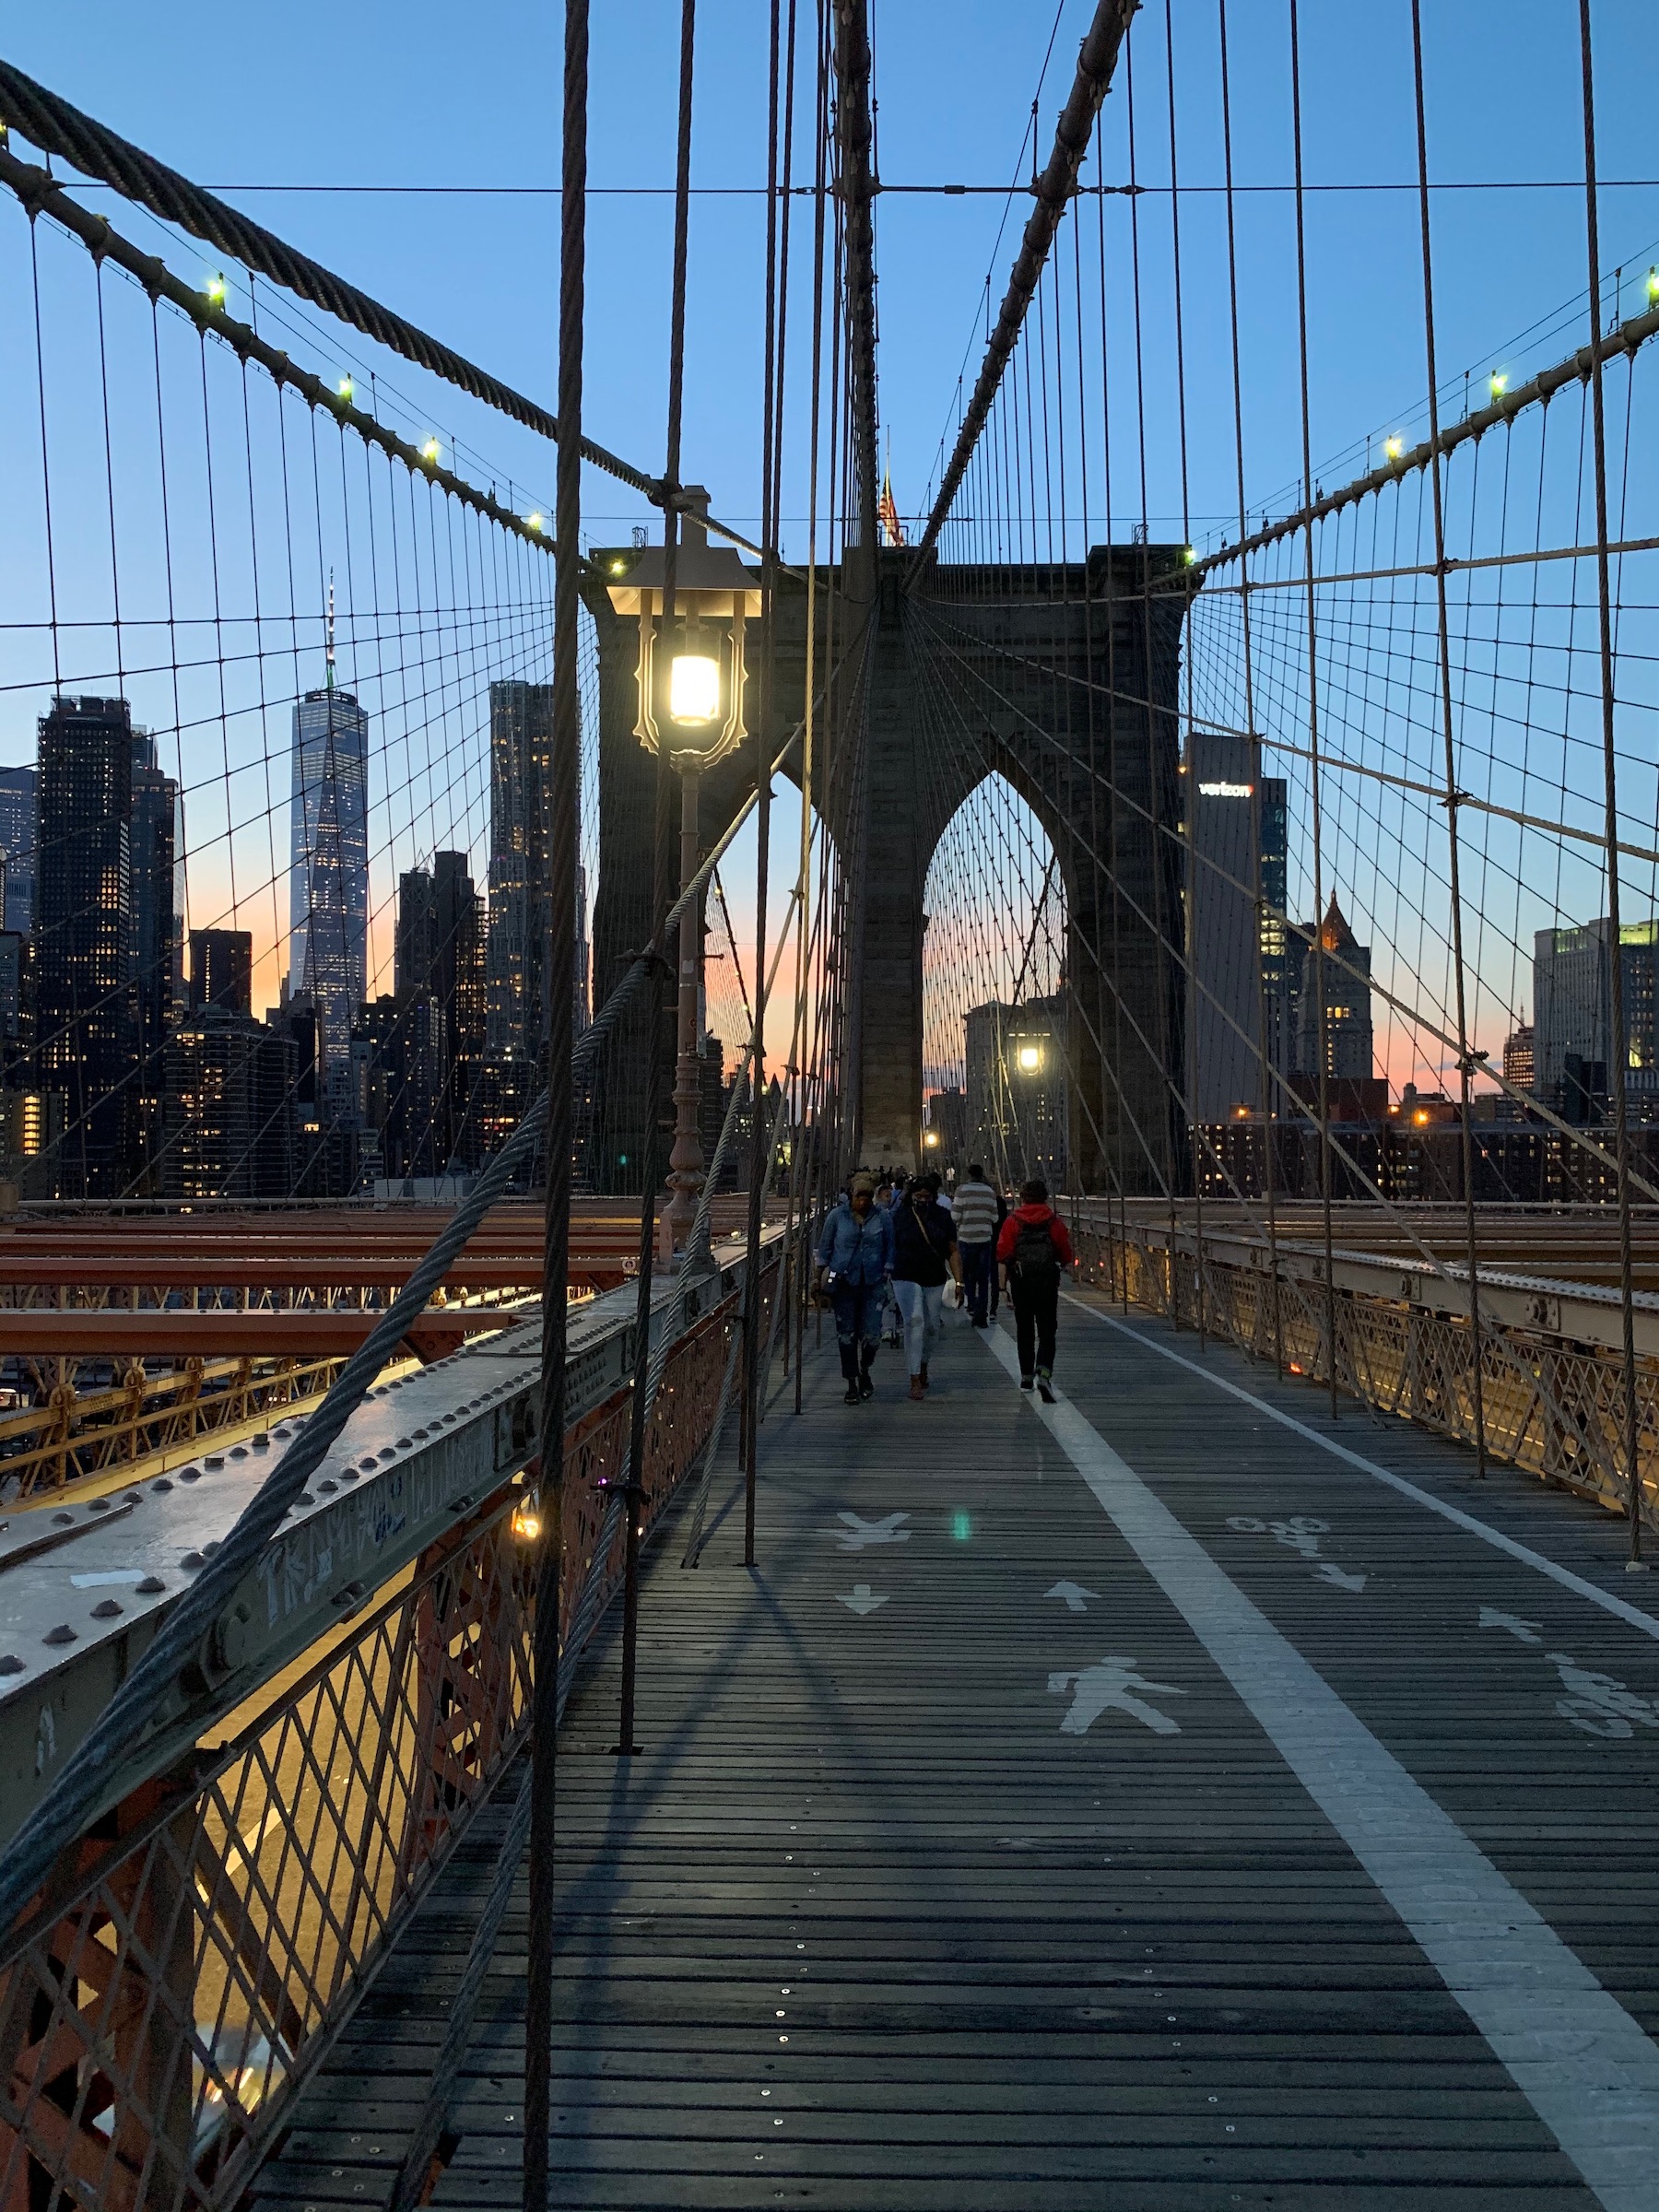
(887, 514)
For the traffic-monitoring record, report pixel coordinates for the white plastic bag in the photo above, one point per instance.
(952, 1293)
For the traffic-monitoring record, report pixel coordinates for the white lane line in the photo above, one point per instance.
(1578, 2058)
(1632, 1615)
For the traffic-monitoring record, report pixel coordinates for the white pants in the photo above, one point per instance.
(919, 1304)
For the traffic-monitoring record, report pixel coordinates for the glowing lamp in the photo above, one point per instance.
(1031, 1058)
(1394, 447)
(693, 685)
(690, 673)
(1652, 288)
(527, 1524)
(346, 387)
(930, 1138)
(215, 289)
(534, 521)
(430, 451)
(1497, 383)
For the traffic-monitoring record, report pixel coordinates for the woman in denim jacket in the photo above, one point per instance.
(854, 1258)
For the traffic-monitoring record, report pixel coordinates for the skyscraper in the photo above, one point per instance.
(439, 983)
(521, 745)
(155, 929)
(86, 999)
(1221, 800)
(221, 971)
(328, 897)
(1572, 1001)
(1347, 1011)
(18, 805)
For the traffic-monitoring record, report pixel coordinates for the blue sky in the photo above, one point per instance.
(438, 96)
(238, 97)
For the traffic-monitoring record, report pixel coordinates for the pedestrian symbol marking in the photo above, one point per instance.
(1109, 1687)
(861, 1599)
(1600, 1704)
(1301, 1534)
(1075, 1595)
(1523, 1632)
(860, 1533)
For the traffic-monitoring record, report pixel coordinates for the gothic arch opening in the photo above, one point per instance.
(995, 1051)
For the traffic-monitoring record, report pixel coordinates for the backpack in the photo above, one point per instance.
(1035, 1258)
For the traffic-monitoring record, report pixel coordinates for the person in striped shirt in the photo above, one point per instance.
(976, 1212)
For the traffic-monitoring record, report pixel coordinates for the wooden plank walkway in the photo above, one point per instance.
(882, 1917)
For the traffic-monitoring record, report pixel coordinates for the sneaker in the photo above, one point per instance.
(850, 1396)
(866, 1389)
(1026, 1382)
(1045, 1389)
(918, 1388)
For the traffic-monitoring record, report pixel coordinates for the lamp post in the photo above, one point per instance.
(690, 678)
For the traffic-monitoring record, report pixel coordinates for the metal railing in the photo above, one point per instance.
(1399, 1337)
(72, 1434)
(190, 1960)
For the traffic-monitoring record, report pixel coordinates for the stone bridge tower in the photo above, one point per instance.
(1063, 680)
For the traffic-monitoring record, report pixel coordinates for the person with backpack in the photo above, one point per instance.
(924, 1253)
(1032, 1249)
(855, 1257)
(976, 1228)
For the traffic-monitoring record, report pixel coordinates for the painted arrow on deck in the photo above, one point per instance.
(1339, 1579)
(1523, 1632)
(863, 1600)
(1074, 1593)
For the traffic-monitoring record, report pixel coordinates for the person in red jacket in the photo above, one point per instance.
(1031, 1249)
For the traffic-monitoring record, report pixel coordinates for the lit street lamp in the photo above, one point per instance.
(690, 678)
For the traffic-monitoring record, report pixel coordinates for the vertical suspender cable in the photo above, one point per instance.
(1190, 1070)
(769, 537)
(1269, 1148)
(1321, 1039)
(1465, 1064)
(662, 895)
(561, 804)
(1618, 1047)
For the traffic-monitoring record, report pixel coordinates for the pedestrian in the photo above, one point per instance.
(1032, 1249)
(854, 1258)
(924, 1254)
(1002, 1214)
(976, 1226)
(889, 1193)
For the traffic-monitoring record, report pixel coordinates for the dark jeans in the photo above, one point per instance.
(1036, 1310)
(858, 1324)
(979, 1277)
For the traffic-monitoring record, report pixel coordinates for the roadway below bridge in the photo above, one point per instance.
(1167, 1800)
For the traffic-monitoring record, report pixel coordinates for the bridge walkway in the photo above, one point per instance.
(1137, 1803)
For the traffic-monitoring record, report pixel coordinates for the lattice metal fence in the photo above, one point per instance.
(1552, 1406)
(192, 1959)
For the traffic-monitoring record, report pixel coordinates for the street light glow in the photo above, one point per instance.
(693, 690)
(1498, 382)
(431, 450)
(1031, 1058)
(346, 387)
(1394, 446)
(215, 289)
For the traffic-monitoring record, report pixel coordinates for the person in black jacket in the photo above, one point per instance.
(924, 1253)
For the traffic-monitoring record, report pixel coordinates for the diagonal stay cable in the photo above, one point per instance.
(78, 1791)
(54, 125)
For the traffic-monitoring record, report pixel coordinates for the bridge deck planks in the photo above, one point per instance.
(1119, 1968)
